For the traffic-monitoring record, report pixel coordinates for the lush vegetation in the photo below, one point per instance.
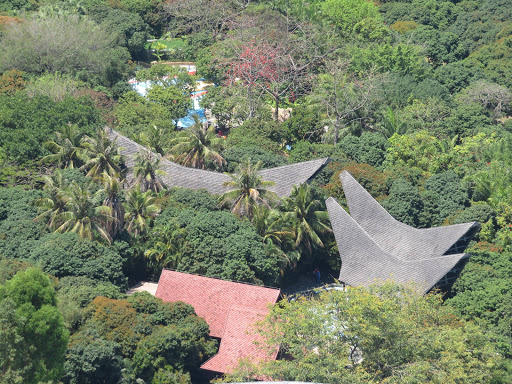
(413, 97)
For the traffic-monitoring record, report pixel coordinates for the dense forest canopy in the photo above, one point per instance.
(412, 97)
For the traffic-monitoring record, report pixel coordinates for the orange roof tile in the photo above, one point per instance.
(230, 309)
(212, 298)
(240, 340)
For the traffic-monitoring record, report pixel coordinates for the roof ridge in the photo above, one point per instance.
(218, 278)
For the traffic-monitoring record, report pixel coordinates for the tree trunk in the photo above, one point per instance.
(251, 103)
(276, 112)
(336, 129)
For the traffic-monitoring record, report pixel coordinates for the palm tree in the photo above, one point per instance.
(112, 188)
(168, 248)
(146, 171)
(103, 155)
(66, 148)
(269, 225)
(196, 145)
(82, 213)
(140, 208)
(53, 205)
(301, 211)
(154, 139)
(249, 190)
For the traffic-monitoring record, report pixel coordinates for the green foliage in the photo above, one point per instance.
(458, 75)
(437, 14)
(136, 114)
(15, 5)
(265, 134)
(28, 122)
(400, 58)
(74, 293)
(483, 292)
(9, 267)
(494, 59)
(89, 51)
(307, 217)
(345, 14)
(235, 155)
(449, 194)
(223, 246)
(373, 180)
(15, 364)
(479, 212)
(247, 189)
(305, 150)
(467, 120)
(199, 200)
(38, 323)
(129, 27)
(90, 358)
(67, 255)
(179, 347)
(419, 150)
(55, 85)
(404, 202)
(140, 209)
(370, 148)
(385, 333)
(173, 99)
(165, 247)
(429, 115)
(440, 47)
(151, 333)
(168, 376)
(304, 124)
(198, 147)
(17, 202)
(19, 233)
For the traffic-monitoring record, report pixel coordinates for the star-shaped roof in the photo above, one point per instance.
(364, 262)
(397, 238)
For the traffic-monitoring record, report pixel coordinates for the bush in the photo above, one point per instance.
(18, 231)
(255, 132)
(449, 193)
(223, 246)
(199, 200)
(370, 148)
(67, 255)
(235, 155)
(480, 212)
(84, 48)
(373, 180)
(26, 123)
(404, 202)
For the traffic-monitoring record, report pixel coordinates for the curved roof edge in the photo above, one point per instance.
(397, 238)
(284, 177)
(364, 262)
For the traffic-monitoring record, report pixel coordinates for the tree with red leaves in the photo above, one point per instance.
(271, 54)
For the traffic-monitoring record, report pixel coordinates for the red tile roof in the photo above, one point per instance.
(212, 298)
(240, 340)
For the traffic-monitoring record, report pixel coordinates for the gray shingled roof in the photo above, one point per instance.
(284, 177)
(364, 262)
(397, 238)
